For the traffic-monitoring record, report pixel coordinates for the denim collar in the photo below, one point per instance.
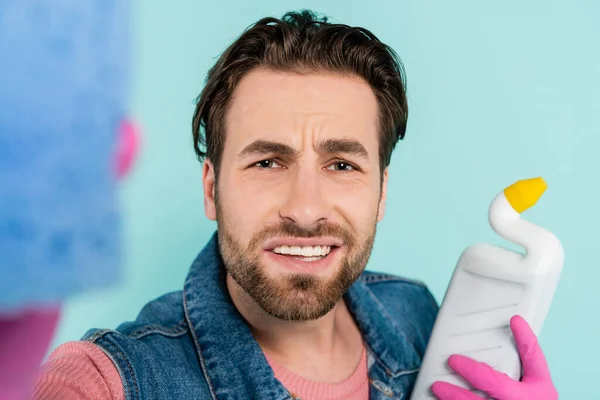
(232, 360)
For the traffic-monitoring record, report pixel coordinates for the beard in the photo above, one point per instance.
(297, 296)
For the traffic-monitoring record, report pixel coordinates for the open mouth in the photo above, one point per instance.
(304, 253)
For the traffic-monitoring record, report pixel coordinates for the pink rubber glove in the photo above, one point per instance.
(24, 340)
(128, 143)
(536, 382)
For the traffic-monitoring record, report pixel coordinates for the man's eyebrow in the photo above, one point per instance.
(266, 147)
(346, 146)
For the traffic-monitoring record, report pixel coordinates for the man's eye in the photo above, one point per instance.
(266, 164)
(341, 166)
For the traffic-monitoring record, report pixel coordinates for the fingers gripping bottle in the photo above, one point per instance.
(490, 285)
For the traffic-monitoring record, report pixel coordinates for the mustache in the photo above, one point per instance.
(291, 229)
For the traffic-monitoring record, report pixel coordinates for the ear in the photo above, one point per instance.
(208, 182)
(384, 182)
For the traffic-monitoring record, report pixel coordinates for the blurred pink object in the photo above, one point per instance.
(536, 382)
(128, 144)
(24, 340)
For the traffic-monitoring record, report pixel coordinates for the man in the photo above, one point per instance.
(296, 126)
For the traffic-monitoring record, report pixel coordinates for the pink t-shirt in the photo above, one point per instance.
(82, 371)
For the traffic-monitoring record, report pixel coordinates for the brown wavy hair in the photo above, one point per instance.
(301, 42)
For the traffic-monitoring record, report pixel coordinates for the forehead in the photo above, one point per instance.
(275, 104)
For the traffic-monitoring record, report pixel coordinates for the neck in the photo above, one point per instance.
(308, 348)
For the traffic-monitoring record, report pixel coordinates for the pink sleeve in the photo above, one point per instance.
(79, 371)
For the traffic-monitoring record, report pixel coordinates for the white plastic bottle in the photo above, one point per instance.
(491, 284)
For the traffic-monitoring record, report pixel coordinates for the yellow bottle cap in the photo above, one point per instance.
(525, 193)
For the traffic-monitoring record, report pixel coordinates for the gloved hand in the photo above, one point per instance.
(24, 340)
(128, 143)
(536, 382)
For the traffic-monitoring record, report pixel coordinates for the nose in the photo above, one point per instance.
(306, 203)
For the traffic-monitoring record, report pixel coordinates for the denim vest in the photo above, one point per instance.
(194, 344)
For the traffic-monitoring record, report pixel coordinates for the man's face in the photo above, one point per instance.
(299, 190)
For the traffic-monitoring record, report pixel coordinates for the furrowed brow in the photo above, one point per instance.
(265, 147)
(344, 146)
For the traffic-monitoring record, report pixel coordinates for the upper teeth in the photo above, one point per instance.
(305, 251)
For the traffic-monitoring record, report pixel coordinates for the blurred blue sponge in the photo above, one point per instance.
(64, 81)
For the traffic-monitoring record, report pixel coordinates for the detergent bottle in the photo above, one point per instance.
(490, 285)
